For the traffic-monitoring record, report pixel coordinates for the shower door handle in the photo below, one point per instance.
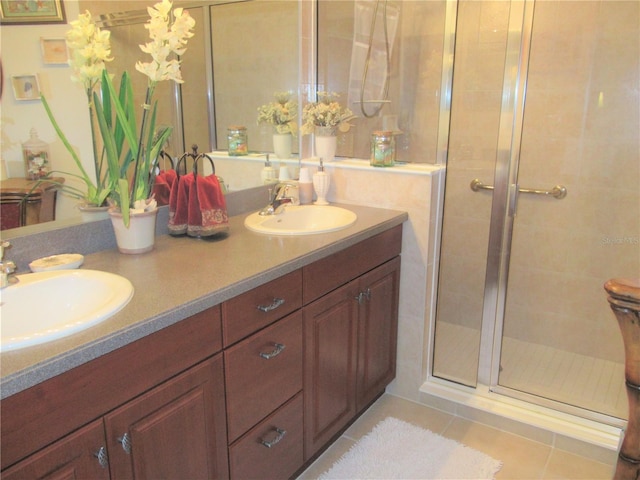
(558, 192)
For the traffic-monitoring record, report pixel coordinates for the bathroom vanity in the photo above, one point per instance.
(287, 351)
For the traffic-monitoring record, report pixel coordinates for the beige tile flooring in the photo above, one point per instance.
(522, 458)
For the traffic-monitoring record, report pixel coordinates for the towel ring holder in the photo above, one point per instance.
(195, 157)
(164, 157)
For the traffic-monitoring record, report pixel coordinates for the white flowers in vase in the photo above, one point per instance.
(326, 112)
(281, 114)
(124, 168)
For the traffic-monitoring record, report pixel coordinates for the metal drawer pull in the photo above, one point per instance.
(559, 191)
(280, 436)
(274, 353)
(126, 442)
(268, 308)
(102, 457)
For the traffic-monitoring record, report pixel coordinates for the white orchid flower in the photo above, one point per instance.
(90, 48)
(166, 38)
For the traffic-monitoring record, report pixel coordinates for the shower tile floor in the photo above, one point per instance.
(544, 371)
(522, 458)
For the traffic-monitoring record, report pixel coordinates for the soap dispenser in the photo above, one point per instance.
(268, 174)
(321, 181)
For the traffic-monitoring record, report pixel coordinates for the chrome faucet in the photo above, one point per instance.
(7, 267)
(286, 193)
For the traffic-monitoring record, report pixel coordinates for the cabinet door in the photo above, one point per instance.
(79, 455)
(330, 332)
(176, 430)
(377, 331)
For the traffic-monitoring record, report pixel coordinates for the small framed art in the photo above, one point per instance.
(54, 51)
(26, 87)
(25, 12)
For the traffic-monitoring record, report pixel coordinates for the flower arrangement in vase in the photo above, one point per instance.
(282, 115)
(324, 118)
(128, 155)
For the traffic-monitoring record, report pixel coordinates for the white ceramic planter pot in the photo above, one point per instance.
(140, 236)
(325, 142)
(282, 145)
(91, 213)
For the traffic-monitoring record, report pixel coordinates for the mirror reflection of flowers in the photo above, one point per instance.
(125, 166)
(281, 114)
(326, 112)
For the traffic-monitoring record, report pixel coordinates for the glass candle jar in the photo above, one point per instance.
(383, 149)
(36, 156)
(237, 137)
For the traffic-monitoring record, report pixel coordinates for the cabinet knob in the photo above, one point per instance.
(125, 441)
(280, 435)
(273, 353)
(268, 308)
(102, 457)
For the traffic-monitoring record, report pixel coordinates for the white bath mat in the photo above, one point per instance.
(399, 450)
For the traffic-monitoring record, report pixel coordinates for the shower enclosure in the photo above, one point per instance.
(542, 202)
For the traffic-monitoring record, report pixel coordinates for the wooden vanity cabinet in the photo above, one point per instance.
(150, 389)
(252, 388)
(350, 335)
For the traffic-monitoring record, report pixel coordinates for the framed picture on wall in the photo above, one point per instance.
(25, 12)
(26, 87)
(54, 51)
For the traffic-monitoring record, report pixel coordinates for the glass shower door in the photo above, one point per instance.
(580, 131)
(482, 32)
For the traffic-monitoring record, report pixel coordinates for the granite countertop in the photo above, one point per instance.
(179, 278)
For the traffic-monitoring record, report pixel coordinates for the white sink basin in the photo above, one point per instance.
(302, 220)
(46, 306)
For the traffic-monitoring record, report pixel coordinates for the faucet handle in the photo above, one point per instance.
(3, 245)
(288, 190)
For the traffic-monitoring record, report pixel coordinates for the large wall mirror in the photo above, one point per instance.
(242, 53)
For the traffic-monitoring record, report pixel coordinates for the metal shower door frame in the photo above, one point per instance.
(505, 189)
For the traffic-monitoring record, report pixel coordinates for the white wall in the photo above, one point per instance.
(21, 54)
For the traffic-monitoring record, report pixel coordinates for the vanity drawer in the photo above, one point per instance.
(263, 372)
(250, 458)
(257, 308)
(323, 276)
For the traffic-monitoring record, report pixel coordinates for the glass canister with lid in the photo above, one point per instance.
(383, 149)
(237, 137)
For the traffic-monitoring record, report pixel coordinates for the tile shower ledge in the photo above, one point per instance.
(179, 278)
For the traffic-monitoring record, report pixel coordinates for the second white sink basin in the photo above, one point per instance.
(302, 220)
(45, 306)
